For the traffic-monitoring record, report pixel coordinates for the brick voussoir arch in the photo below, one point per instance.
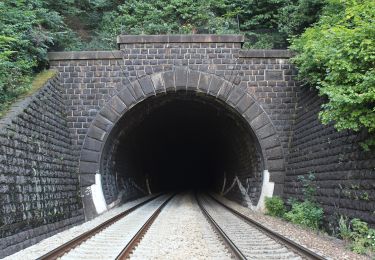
(180, 80)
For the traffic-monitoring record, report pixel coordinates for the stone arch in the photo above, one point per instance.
(172, 81)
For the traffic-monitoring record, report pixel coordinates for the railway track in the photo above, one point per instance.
(122, 236)
(181, 232)
(114, 238)
(246, 238)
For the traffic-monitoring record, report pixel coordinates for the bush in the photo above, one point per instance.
(14, 73)
(362, 237)
(336, 56)
(27, 30)
(344, 228)
(306, 213)
(371, 239)
(275, 206)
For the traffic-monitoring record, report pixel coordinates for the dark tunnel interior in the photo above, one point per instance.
(179, 141)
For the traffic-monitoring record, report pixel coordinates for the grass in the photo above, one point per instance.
(37, 82)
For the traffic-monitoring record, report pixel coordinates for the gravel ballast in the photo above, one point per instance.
(180, 232)
(323, 244)
(108, 243)
(55, 241)
(252, 243)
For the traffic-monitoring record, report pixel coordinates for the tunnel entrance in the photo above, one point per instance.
(178, 141)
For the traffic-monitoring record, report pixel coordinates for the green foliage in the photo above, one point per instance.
(258, 20)
(27, 30)
(266, 24)
(33, 84)
(363, 238)
(306, 213)
(371, 240)
(269, 23)
(96, 23)
(344, 228)
(308, 186)
(275, 206)
(337, 55)
(295, 16)
(164, 17)
(360, 236)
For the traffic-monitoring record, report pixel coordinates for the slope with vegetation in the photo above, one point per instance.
(337, 56)
(28, 29)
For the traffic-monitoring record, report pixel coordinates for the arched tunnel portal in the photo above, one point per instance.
(180, 141)
(177, 139)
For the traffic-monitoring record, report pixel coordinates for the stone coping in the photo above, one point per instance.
(115, 54)
(181, 38)
(263, 53)
(85, 55)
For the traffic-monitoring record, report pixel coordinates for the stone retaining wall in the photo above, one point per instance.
(39, 191)
(345, 174)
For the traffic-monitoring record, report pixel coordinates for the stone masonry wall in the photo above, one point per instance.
(91, 78)
(345, 174)
(38, 171)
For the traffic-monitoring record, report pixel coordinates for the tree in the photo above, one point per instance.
(269, 23)
(27, 30)
(266, 24)
(163, 17)
(297, 15)
(337, 56)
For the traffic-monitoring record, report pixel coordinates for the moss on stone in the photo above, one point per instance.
(38, 82)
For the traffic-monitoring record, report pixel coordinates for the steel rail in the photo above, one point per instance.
(229, 243)
(66, 247)
(295, 247)
(125, 253)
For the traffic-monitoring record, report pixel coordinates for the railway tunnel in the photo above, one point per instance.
(239, 124)
(179, 141)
